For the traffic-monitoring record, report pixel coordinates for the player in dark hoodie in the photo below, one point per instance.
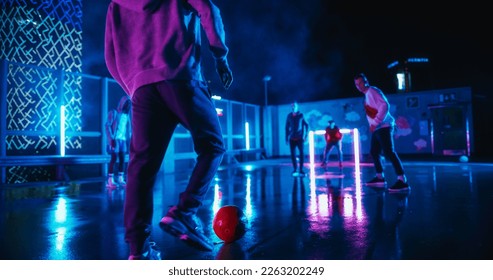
(296, 133)
(152, 48)
(118, 133)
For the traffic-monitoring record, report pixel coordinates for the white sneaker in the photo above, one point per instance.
(121, 180)
(110, 183)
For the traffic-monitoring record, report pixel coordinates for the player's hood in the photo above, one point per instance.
(122, 103)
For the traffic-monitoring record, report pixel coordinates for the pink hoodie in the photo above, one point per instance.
(148, 41)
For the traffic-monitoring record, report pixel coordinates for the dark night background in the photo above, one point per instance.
(312, 54)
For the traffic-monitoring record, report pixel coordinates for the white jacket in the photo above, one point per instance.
(377, 109)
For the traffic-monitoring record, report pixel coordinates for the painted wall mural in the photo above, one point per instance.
(412, 111)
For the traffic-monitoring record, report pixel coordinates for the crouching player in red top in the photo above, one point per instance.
(333, 139)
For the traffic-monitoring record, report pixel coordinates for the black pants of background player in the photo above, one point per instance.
(293, 145)
(328, 149)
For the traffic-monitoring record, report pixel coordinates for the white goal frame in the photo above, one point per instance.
(345, 131)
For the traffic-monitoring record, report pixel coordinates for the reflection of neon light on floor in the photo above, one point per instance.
(248, 198)
(347, 206)
(216, 204)
(61, 211)
(352, 207)
(60, 238)
(323, 210)
(313, 196)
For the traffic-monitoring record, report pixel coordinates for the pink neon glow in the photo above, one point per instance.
(357, 171)
(349, 205)
(311, 145)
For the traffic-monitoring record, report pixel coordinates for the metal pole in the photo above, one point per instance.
(266, 80)
(264, 115)
(265, 94)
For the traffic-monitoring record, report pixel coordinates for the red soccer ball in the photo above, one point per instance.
(229, 223)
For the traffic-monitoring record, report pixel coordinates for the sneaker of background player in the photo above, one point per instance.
(376, 181)
(152, 253)
(400, 186)
(187, 227)
(111, 183)
(121, 179)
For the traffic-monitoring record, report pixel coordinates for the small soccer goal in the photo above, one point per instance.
(350, 146)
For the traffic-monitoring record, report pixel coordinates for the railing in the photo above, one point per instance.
(33, 133)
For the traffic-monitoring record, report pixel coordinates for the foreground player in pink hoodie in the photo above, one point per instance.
(153, 50)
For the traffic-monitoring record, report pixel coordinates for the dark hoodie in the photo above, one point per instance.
(150, 41)
(296, 127)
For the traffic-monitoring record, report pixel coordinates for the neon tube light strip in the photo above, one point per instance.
(357, 170)
(62, 130)
(247, 136)
(311, 151)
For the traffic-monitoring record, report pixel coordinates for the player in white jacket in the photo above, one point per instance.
(382, 125)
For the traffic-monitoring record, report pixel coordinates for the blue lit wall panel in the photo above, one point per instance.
(23, 174)
(26, 145)
(42, 33)
(41, 40)
(72, 100)
(31, 99)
